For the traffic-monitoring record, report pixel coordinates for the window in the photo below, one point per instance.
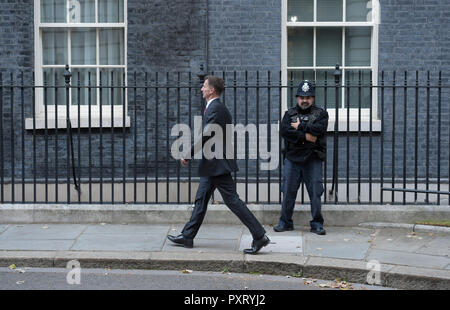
(89, 36)
(317, 35)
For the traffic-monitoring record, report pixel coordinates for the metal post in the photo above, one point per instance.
(67, 75)
(337, 75)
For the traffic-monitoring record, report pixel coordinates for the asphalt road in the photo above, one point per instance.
(105, 279)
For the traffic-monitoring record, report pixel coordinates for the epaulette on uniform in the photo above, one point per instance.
(292, 111)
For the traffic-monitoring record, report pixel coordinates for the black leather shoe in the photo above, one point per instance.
(257, 245)
(280, 228)
(318, 230)
(180, 239)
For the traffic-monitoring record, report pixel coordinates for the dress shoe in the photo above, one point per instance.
(280, 228)
(180, 239)
(318, 230)
(257, 245)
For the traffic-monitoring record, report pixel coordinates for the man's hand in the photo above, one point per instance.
(184, 162)
(295, 125)
(310, 138)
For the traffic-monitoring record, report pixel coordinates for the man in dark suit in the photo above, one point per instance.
(216, 173)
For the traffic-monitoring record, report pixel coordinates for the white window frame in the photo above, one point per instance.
(39, 117)
(354, 112)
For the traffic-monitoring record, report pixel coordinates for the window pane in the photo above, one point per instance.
(82, 11)
(110, 11)
(294, 79)
(357, 46)
(325, 90)
(83, 46)
(111, 47)
(300, 47)
(329, 10)
(83, 80)
(329, 46)
(54, 47)
(300, 10)
(352, 78)
(52, 94)
(358, 10)
(53, 11)
(112, 77)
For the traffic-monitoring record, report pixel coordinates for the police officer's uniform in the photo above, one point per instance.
(303, 159)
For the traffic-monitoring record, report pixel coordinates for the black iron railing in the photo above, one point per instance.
(388, 141)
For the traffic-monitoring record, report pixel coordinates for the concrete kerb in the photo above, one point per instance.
(402, 277)
(411, 227)
(335, 215)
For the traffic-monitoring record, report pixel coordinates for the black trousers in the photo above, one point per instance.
(227, 188)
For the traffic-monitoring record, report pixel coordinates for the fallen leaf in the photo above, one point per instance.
(186, 271)
(12, 266)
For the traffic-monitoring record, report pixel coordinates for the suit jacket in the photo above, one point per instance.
(217, 113)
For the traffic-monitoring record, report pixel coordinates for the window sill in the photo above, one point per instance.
(354, 125)
(84, 122)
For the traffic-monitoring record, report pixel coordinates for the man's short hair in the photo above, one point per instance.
(217, 83)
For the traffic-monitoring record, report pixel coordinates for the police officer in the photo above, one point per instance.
(303, 128)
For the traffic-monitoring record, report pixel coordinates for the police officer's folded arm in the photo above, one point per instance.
(290, 133)
(319, 127)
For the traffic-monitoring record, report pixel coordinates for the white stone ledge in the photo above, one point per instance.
(84, 122)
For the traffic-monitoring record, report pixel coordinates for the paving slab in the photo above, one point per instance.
(400, 240)
(408, 259)
(35, 245)
(42, 232)
(3, 228)
(125, 229)
(339, 242)
(120, 242)
(211, 231)
(202, 245)
(439, 246)
(278, 244)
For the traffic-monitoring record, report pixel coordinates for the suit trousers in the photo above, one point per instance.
(227, 188)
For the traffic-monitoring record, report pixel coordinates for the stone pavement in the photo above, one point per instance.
(405, 259)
